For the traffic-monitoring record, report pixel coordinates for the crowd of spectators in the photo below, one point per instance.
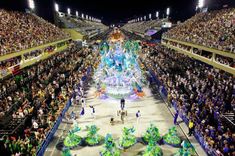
(4, 65)
(200, 92)
(32, 54)
(84, 26)
(213, 29)
(225, 60)
(142, 26)
(20, 31)
(41, 92)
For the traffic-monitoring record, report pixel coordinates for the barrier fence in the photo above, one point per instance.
(50, 135)
(197, 134)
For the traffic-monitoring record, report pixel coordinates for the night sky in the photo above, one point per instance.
(111, 11)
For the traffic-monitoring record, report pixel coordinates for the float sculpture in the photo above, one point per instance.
(171, 137)
(128, 139)
(152, 133)
(110, 148)
(93, 138)
(72, 139)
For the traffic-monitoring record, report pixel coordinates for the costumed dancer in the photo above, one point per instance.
(82, 111)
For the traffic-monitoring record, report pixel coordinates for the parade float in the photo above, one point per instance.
(128, 139)
(186, 149)
(72, 139)
(93, 138)
(119, 74)
(171, 137)
(152, 132)
(110, 148)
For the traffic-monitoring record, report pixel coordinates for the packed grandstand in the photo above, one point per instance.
(42, 66)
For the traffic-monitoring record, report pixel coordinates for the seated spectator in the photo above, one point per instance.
(211, 29)
(20, 31)
(42, 93)
(199, 92)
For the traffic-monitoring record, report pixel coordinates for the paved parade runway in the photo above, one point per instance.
(152, 108)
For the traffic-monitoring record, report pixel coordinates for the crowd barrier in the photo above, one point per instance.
(50, 135)
(197, 134)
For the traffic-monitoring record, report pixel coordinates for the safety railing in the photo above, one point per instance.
(50, 135)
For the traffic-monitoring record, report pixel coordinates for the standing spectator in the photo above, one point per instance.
(175, 117)
(35, 125)
(191, 127)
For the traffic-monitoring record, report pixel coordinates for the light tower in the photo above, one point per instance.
(167, 12)
(157, 14)
(201, 4)
(68, 11)
(31, 4)
(56, 7)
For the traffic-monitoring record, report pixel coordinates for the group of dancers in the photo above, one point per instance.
(122, 112)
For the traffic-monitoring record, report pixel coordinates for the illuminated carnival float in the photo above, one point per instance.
(119, 74)
(116, 36)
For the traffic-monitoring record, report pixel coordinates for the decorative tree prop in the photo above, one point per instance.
(187, 149)
(72, 139)
(171, 138)
(128, 139)
(66, 152)
(153, 133)
(110, 148)
(93, 138)
(152, 149)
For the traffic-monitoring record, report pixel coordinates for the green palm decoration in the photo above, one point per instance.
(66, 152)
(171, 137)
(110, 148)
(152, 148)
(92, 137)
(128, 139)
(186, 150)
(153, 133)
(73, 139)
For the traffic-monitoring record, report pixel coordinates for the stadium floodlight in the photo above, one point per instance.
(31, 4)
(168, 11)
(77, 13)
(69, 11)
(150, 16)
(157, 14)
(201, 3)
(56, 7)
